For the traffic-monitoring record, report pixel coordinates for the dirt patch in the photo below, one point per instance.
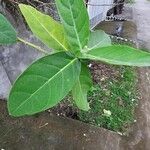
(101, 72)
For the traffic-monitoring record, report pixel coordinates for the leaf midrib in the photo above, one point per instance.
(116, 62)
(47, 30)
(99, 58)
(74, 24)
(104, 39)
(61, 70)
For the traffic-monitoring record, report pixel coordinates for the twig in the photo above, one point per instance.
(32, 45)
(13, 1)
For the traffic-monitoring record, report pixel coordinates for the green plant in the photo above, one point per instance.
(48, 80)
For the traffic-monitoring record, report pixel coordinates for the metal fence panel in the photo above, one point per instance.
(98, 13)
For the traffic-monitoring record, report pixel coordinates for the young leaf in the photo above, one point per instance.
(7, 32)
(45, 28)
(98, 39)
(119, 55)
(75, 20)
(81, 88)
(44, 84)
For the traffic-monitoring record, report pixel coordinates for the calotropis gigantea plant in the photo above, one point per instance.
(48, 80)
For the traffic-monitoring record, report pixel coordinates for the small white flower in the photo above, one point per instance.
(90, 65)
(107, 112)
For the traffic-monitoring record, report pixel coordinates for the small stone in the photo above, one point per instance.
(103, 79)
(121, 103)
(119, 133)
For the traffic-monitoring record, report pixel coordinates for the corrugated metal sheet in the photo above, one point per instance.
(98, 13)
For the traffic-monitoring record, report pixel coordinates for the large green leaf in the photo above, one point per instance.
(119, 55)
(45, 28)
(75, 20)
(98, 39)
(43, 84)
(7, 32)
(81, 88)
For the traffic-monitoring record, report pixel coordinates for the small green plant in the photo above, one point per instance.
(48, 80)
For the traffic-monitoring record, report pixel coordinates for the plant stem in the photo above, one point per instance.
(32, 45)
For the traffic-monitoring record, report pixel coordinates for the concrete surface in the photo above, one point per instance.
(48, 132)
(141, 11)
(5, 84)
(140, 138)
(16, 58)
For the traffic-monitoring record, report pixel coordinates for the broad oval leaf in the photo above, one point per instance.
(75, 20)
(45, 83)
(119, 55)
(80, 89)
(49, 31)
(98, 39)
(7, 32)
